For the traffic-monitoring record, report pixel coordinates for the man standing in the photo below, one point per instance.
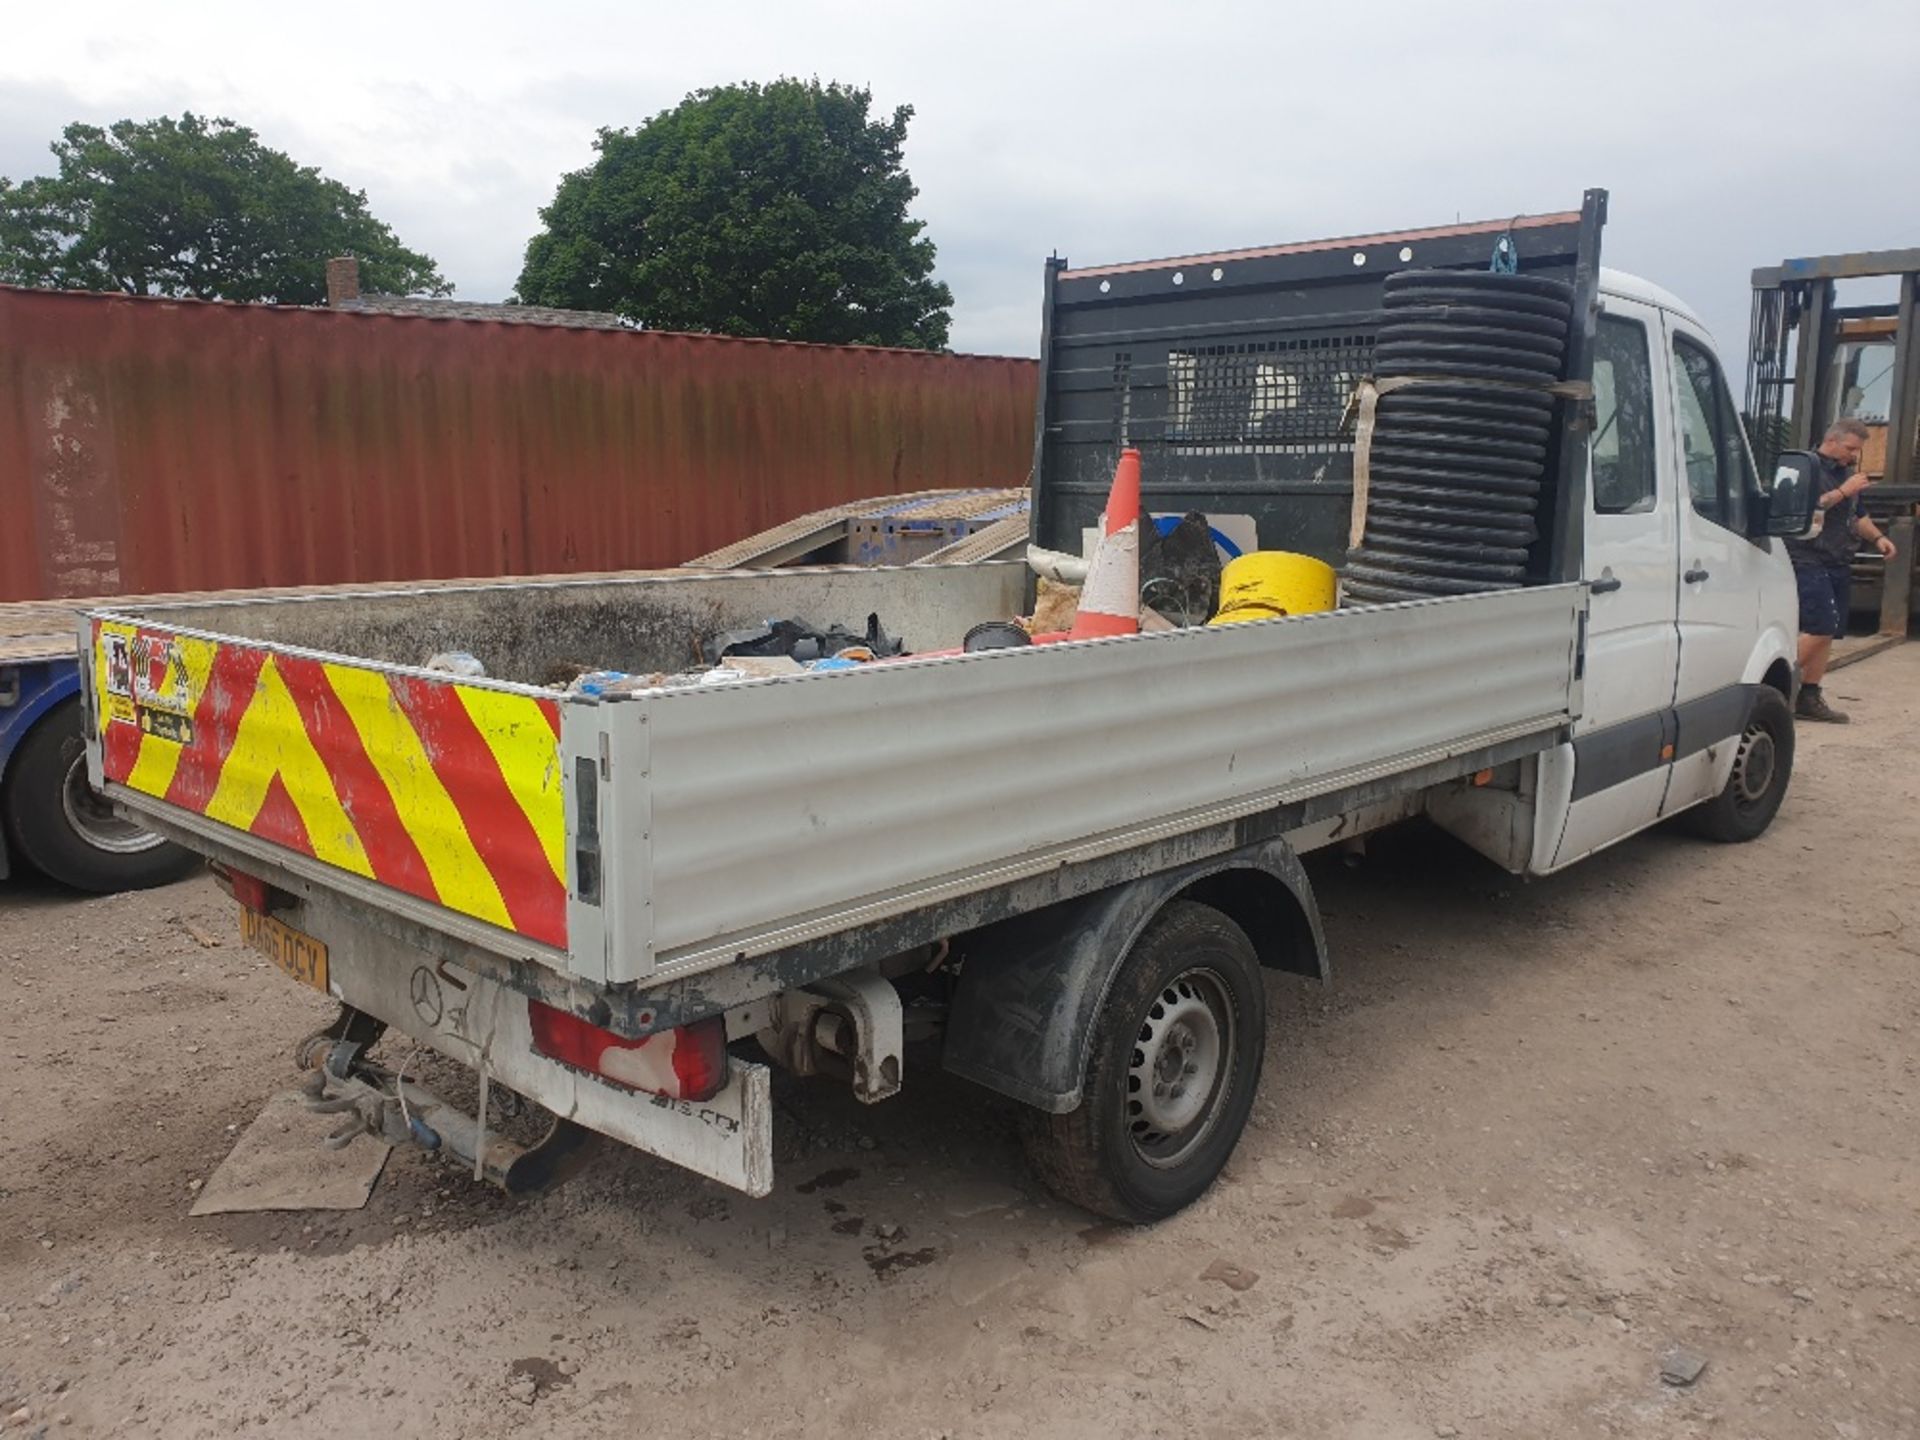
(1822, 565)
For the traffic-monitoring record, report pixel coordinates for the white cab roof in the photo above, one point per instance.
(1623, 286)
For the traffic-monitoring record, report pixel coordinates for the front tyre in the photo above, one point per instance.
(1762, 768)
(65, 829)
(1172, 1066)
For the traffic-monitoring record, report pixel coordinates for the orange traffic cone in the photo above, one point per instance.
(1110, 600)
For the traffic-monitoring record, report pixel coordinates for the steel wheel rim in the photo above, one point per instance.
(1754, 764)
(1183, 1059)
(93, 820)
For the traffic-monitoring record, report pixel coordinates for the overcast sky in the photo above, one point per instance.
(1731, 135)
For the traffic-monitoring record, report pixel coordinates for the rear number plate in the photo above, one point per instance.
(301, 956)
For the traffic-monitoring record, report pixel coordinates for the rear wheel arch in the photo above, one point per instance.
(1031, 989)
(1277, 912)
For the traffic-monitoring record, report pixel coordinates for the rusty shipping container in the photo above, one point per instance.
(156, 445)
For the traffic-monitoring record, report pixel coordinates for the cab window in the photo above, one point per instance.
(1719, 474)
(1623, 457)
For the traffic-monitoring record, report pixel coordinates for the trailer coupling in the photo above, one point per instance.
(373, 1100)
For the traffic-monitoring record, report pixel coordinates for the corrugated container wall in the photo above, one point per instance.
(150, 445)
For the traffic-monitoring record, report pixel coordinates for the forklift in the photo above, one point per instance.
(1812, 361)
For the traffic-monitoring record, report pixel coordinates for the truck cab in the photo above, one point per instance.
(1689, 608)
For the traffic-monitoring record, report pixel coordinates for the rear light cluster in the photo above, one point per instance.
(688, 1063)
(252, 892)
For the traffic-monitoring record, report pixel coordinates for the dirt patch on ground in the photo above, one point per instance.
(1536, 1137)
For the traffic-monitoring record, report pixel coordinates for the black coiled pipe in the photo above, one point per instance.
(1458, 459)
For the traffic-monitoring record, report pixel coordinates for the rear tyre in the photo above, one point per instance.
(1171, 1071)
(1762, 769)
(65, 829)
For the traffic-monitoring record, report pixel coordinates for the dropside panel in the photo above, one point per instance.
(790, 809)
(447, 791)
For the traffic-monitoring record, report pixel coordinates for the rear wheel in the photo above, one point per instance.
(1171, 1071)
(64, 828)
(1762, 768)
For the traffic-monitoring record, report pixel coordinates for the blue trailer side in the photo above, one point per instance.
(29, 688)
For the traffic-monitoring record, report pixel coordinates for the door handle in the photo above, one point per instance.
(1694, 576)
(1606, 585)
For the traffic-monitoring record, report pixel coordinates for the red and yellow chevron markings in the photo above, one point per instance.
(443, 790)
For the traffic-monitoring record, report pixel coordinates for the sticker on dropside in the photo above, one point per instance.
(161, 698)
(119, 663)
(164, 724)
(117, 702)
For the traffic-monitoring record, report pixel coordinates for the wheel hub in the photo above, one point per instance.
(93, 820)
(1182, 1059)
(1753, 765)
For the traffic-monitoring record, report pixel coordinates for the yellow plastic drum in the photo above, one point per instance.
(1267, 584)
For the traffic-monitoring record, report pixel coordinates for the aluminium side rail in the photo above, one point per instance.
(746, 819)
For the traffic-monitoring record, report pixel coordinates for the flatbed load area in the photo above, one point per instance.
(35, 632)
(659, 828)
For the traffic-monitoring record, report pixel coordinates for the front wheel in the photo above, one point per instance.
(1171, 1071)
(65, 829)
(1762, 768)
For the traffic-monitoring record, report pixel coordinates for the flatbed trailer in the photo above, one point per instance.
(923, 527)
(1068, 862)
(53, 822)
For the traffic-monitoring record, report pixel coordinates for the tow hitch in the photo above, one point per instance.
(373, 1100)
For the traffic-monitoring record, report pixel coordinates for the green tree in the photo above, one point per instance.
(776, 210)
(194, 207)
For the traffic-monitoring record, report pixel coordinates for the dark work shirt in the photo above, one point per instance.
(1833, 547)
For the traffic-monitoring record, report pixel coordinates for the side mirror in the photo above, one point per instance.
(1791, 499)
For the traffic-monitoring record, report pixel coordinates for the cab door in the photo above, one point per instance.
(1619, 772)
(1722, 573)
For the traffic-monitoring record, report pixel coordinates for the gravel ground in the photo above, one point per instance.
(1537, 1135)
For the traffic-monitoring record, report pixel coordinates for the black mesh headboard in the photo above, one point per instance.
(1231, 374)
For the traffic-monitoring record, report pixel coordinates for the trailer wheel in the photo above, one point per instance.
(62, 827)
(1762, 768)
(1172, 1067)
